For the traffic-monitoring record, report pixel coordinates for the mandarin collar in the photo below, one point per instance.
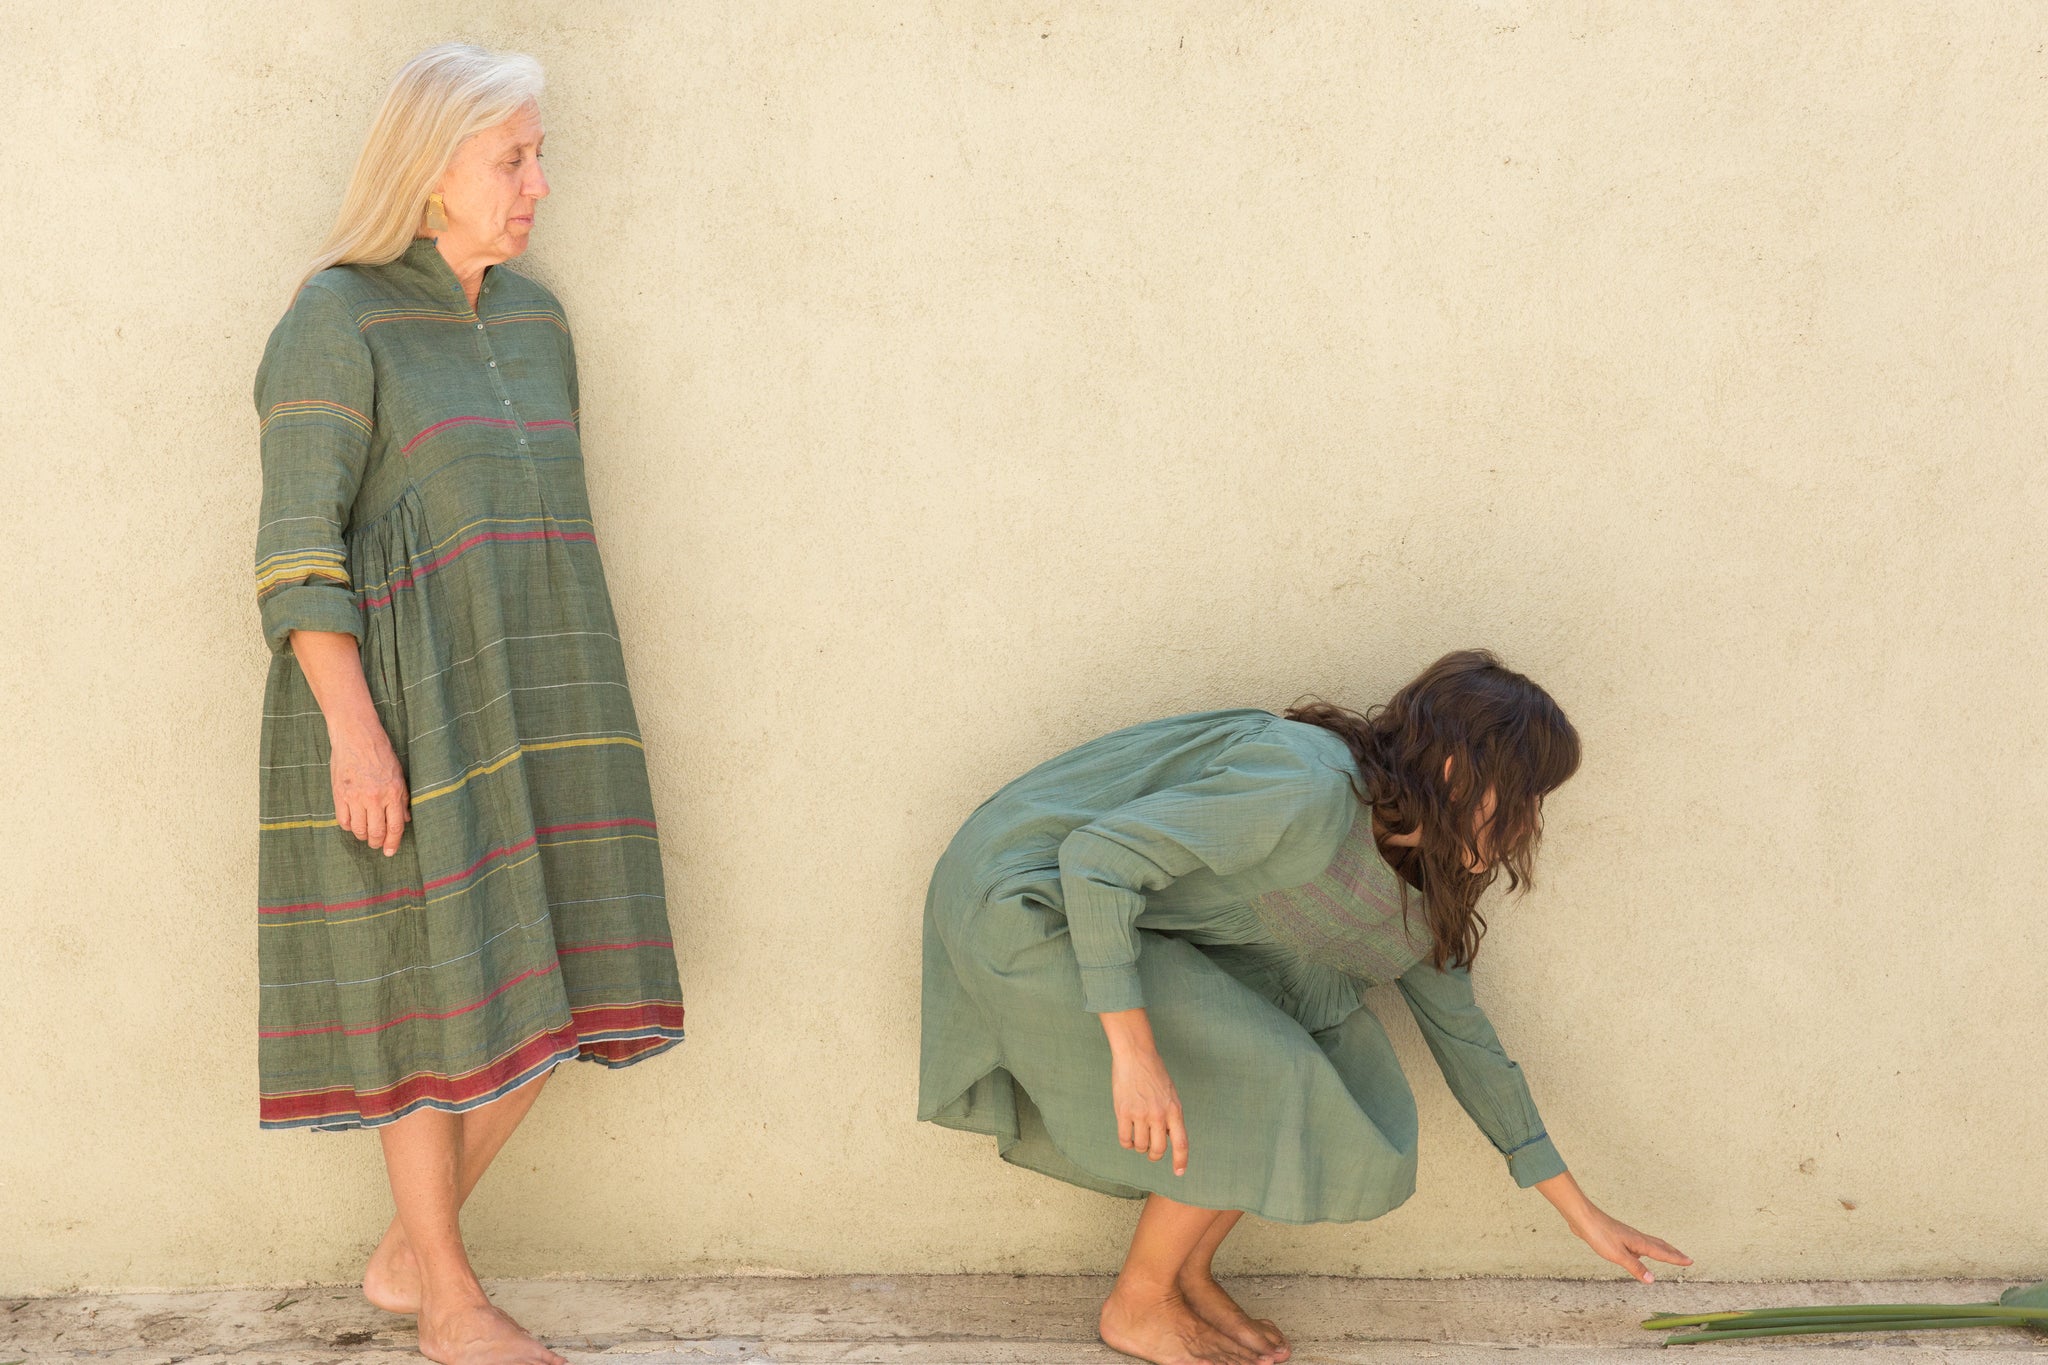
(424, 257)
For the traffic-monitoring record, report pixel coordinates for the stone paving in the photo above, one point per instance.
(972, 1320)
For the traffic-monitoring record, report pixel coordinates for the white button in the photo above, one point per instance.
(479, 326)
(508, 402)
(494, 364)
(522, 440)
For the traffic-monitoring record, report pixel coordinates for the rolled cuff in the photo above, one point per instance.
(1107, 989)
(1535, 1160)
(310, 606)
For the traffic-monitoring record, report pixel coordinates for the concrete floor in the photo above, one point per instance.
(971, 1320)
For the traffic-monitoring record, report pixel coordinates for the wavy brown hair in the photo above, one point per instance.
(1426, 760)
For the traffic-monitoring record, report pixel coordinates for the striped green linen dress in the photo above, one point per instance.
(423, 491)
(1218, 870)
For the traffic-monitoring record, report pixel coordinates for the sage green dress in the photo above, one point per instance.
(1218, 870)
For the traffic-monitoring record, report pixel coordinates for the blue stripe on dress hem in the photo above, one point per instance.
(608, 1064)
(332, 1124)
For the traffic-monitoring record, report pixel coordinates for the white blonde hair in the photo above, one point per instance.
(437, 101)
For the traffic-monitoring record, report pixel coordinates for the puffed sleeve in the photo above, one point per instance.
(1229, 818)
(1479, 1072)
(315, 393)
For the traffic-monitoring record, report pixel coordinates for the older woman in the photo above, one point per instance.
(460, 882)
(1152, 947)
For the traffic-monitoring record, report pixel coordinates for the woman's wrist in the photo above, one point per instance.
(1567, 1198)
(355, 725)
(1129, 1033)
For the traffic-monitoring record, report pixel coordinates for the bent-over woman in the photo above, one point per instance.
(1143, 963)
(459, 880)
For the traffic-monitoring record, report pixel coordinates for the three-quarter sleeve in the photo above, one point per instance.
(1228, 819)
(315, 394)
(1479, 1072)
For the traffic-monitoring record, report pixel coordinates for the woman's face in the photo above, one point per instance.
(491, 188)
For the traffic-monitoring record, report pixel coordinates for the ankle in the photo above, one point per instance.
(1144, 1288)
(451, 1290)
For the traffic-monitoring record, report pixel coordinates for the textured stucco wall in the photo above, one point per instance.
(964, 380)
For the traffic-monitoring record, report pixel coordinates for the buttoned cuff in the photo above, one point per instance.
(1107, 989)
(1535, 1160)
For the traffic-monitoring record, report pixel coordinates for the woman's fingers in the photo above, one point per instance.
(373, 823)
(394, 824)
(1157, 1134)
(1646, 1245)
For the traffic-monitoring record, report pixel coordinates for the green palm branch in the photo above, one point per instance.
(2026, 1306)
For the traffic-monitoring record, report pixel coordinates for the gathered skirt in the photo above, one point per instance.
(523, 920)
(1295, 1105)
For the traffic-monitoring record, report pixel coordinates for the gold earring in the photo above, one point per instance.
(437, 214)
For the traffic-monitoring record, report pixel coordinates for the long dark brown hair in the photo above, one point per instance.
(1492, 729)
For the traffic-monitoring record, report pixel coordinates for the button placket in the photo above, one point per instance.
(504, 394)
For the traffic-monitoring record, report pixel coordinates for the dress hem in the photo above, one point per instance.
(661, 1041)
(1006, 1143)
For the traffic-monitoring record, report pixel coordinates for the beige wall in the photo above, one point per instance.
(964, 380)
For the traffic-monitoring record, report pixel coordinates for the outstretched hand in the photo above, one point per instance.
(1610, 1238)
(1616, 1241)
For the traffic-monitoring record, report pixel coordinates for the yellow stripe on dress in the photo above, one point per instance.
(292, 571)
(487, 769)
(528, 315)
(316, 407)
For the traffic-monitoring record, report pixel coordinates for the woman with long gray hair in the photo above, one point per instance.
(459, 879)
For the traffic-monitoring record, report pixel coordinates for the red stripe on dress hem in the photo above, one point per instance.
(374, 1104)
(650, 1013)
(472, 1086)
(662, 1014)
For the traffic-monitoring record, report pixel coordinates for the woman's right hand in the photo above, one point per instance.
(370, 796)
(1148, 1113)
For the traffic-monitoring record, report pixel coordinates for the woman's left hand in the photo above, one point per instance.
(1610, 1238)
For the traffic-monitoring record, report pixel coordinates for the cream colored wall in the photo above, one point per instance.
(964, 380)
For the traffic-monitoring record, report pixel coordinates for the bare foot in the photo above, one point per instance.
(1163, 1329)
(476, 1333)
(391, 1280)
(1220, 1311)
